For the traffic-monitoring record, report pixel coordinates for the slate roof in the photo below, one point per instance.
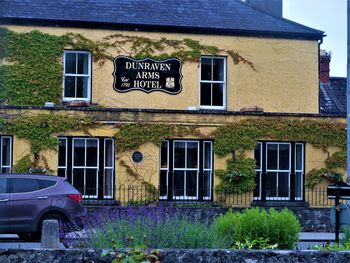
(333, 96)
(211, 16)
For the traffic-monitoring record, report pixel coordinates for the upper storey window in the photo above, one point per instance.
(77, 75)
(213, 83)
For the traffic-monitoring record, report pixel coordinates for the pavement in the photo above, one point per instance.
(13, 241)
(307, 241)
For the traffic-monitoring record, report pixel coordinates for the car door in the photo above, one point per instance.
(27, 201)
(4, 206)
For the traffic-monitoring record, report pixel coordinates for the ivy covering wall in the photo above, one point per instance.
(32, 70)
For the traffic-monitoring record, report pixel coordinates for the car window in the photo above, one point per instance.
(46, 183)
(23, 185)
(3, 186)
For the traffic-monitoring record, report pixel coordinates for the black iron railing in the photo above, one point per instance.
(144, 194)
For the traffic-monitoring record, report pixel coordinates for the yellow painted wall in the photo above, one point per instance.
(285, 80)
(148, 169)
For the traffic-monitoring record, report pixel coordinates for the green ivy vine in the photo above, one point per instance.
(32, 72)
(39, 131)
(321, 134)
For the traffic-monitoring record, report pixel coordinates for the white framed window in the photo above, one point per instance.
(77, 75)
(212, 90)
(258, 170)
(6, 154)
(207, 169)
(164, 170)
(279, 171)
(88, 164)
(299, 171)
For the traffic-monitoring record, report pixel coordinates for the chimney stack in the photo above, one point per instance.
(271, 7)
(325, 59)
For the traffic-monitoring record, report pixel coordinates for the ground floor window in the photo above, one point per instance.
(88, 163)
(279, 171)
(5, 154)
(186, 170)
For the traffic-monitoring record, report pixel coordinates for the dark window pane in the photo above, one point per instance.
(23, 185)
(299, 157)
(6, 151)
(108, 182)
(271, 184)
(5, 170)
(79, 152)
(283, 184)
(83, 63)
(70, 63)
(91, 182)
(179, 155)
(164, 155)
(207, 155)
(69, 87)
(217, 95)
(61, 172)
(109, 153)
(46, 183)
(206, 64)
(78, 180)
(257, 184)
(205, 94)
(298, 184)
(206, 182)
(192, 155)
(218, 69)
(284, 150)
(191, 183)
(257, 156)
(271, 156)
(82, 87)
(3, 186)
(163, 187)
(62, 146)
(179, 183)
(91, 153)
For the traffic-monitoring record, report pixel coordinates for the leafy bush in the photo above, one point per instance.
(259, 229)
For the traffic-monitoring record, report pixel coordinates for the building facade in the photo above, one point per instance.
(184, 101)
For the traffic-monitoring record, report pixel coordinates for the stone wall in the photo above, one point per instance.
(311, 219)
(180, 255)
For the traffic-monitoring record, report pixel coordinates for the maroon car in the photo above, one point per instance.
(26, 200)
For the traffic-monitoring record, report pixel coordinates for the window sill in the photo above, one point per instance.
(279, 203)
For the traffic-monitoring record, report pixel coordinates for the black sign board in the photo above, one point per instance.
(147, 75)
(343, 188)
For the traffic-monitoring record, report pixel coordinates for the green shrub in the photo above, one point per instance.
(259, 229)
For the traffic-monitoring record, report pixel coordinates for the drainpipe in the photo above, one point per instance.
(348, 102)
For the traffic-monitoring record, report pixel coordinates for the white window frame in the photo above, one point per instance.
(66, 158)
(88, 98)
(210, 169)
(86, 167)
(259, 170)
(278, 170)
(223, 107)
(2, 153)
(105, 167)
(299, 171)
(164, 197)
(184, 196)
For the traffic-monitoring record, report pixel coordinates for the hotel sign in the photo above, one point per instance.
(147, 75)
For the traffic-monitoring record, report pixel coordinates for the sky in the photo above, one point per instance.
(326, 15)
